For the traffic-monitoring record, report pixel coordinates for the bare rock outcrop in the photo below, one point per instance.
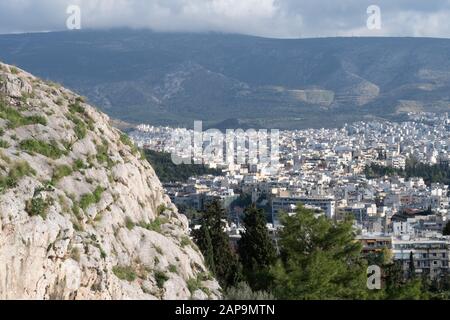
(82, 215)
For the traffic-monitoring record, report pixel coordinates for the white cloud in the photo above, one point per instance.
(274, 18)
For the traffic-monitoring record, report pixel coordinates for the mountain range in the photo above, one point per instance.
(240, 81)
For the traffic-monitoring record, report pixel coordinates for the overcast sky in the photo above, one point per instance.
(271, 18)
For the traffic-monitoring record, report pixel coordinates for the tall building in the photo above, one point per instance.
(285, 204)
(431, 257)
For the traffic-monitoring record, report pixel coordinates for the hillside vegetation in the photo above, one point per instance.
(167, 171)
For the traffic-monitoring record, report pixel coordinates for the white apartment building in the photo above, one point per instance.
(431, 256)
(284, 204)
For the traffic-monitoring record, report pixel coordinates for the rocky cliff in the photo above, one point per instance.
(82, 216)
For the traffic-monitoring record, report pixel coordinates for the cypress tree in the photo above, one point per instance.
(204, 242)
(446, 231)
(225, 261)
(412, 268)
(256, 250)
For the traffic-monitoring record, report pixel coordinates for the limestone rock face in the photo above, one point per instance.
(82, 216)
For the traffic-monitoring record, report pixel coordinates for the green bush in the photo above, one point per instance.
(4, 144)
(14, 70)
(90, 124)
(185, 241)
(18, 170)
(161, 279)
(103, 254)
(205, 276)
(91, 198)
(173, 268)
(36, 120)
(76, 107)
(129, 223)
(78, 165)
(193, 285)
(76, 211)
(155, 225)
(61, 172)
(38, 207)
(16, 119)
(142, 155)
(125, 139)
(79, 128)
(125, 273)
(103, 156)
(161, 208)
(36, 146)
(98, 194)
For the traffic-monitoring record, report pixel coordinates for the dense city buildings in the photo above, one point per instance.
(327, 170)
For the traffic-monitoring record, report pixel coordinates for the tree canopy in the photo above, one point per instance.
(319, 259)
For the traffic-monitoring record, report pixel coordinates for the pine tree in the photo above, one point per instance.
(411, 290)
(319, 259)
(394, 275)
(256, 250)
(397, 288)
